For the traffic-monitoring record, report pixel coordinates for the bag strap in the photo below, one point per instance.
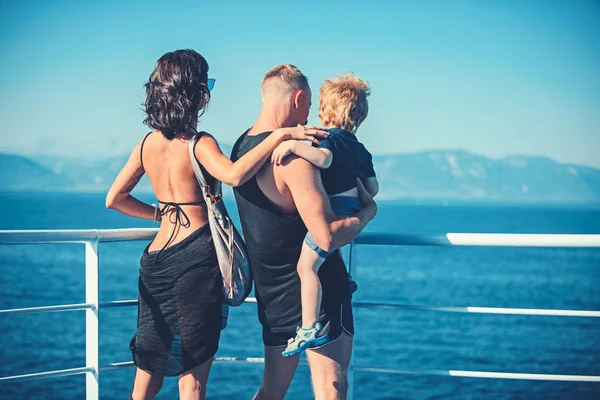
(195, 165)
(198, 171)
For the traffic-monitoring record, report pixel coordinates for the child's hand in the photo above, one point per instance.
(282, 151)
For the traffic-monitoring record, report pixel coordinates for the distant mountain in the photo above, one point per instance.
(20, 173)
(89, 175)
(460, 174)
(439, 175)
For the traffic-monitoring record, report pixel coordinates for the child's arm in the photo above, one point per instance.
(372, 186)
(319, 157)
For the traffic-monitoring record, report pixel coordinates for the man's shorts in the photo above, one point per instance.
(339, 321)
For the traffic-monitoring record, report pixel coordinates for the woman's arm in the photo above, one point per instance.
(237, 173)
(319, 157)
(119, 197)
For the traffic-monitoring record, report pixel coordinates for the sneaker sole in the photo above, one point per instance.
(321, 340)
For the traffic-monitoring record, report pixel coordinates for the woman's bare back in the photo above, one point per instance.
(169, 168)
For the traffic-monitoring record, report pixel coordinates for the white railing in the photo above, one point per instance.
(92, 239)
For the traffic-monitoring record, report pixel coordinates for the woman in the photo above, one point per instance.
(179, 311)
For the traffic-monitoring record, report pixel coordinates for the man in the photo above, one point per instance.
(276, 207)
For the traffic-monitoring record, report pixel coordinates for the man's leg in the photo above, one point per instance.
(278, 374)
(329, 368)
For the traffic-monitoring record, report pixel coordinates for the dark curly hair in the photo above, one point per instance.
(176, 92)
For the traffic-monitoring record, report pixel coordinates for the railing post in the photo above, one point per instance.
(352, 270)
(92, 383)
(352, 258)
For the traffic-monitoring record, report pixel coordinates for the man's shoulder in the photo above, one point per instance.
(247, 142)
(237, 147)
(294, 167)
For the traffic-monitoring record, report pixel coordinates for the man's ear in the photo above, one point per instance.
(298, 97)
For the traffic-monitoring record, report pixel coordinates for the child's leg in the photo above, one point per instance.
(311, 333)
(308, 266)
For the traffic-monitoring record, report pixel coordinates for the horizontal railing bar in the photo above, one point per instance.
(117, 366)
(120, 235)
(479, 239)
(82, 306)
(356, 368)
(246, 360)
(47, 236)
(480, 310)
(481, 374)
(47, 374)
(217, 360)
(361, 368)
(48, 309)
(128, 303)
(75, 235)
(118, 303)
(357, 304)
(410, 239)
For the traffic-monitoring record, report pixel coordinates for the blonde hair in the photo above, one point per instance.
(343, 102)
(284, 78)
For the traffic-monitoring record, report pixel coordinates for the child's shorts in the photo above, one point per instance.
(341, 205)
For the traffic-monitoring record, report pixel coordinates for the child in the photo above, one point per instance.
(342, 159)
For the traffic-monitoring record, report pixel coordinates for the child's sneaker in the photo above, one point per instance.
(305, 338)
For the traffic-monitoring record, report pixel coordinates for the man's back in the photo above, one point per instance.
(274, 233)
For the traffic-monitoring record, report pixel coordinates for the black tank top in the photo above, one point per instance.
(274, 240)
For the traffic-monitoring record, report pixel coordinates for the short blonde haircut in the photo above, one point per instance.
(343, 102)
(285, 77)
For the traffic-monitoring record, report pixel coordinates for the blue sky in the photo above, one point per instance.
(492, 77)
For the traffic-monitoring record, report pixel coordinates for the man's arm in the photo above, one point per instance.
(329, 231)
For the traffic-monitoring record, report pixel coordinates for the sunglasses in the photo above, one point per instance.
(210, 84)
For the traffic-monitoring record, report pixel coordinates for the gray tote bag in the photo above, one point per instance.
(230, 247)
